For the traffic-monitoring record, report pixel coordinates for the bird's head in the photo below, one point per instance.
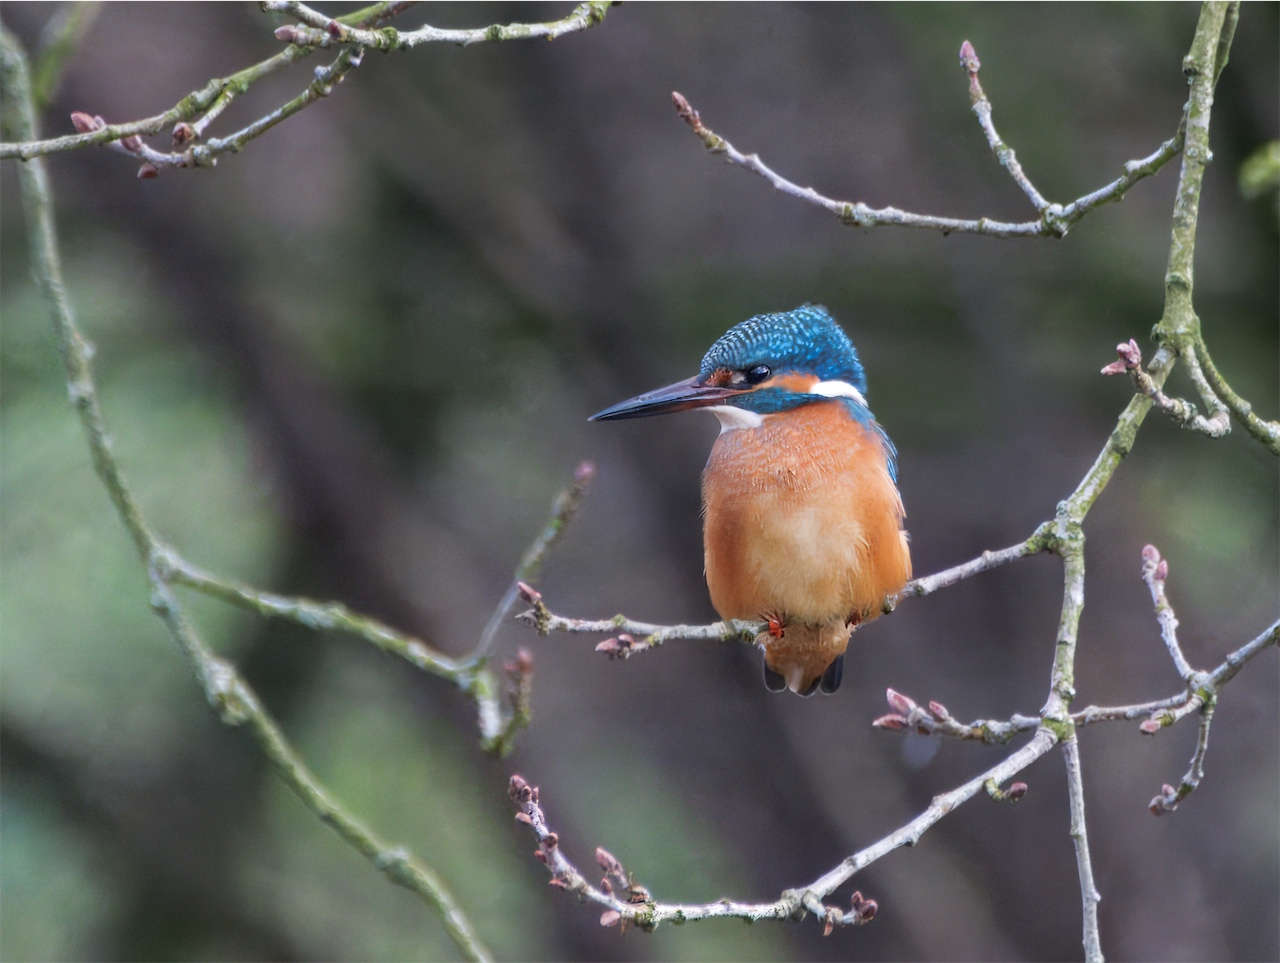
(764, 365)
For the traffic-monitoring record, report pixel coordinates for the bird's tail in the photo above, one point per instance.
(805, 656)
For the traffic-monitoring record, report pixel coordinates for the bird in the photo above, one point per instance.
(803, 524)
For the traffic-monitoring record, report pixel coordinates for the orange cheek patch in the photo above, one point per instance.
(792, 381)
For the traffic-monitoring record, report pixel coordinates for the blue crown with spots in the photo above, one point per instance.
(806, 340)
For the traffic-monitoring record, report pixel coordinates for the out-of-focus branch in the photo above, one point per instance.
(639, 908)
(320, 616)
(563, 510)
(58, 41)
(225, 689)
(1054, 219)
(192, 115)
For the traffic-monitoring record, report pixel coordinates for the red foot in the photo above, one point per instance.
(775, 626)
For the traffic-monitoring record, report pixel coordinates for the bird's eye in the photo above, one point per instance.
(757, 374)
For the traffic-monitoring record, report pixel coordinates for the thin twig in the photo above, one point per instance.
(230, 695)
(794, 904)
(970, 64)
(1169, 796)
(928, 584)
(934, 718)
(1267, 432)
(1155, 570)
(1054, 220)
(1129, 361)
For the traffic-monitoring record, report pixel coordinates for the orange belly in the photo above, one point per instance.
(803, 522)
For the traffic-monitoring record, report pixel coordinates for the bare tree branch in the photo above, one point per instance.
(641, 910)
(1054, 220)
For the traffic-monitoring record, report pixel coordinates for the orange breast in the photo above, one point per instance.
(802, 519)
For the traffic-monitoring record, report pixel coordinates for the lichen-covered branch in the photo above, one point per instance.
(329, 31)
(1267, 432)
(225, 689)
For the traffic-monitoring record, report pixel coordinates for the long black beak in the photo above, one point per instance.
(689, 393)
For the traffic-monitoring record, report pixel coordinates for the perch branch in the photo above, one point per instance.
(225, 689)
(632, 637)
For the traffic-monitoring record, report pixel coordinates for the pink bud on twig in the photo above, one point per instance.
(939, 711)
(529, 593)
(147, 171)
(288, 33)
(1016, 791)
(584, 473)
(610, 918)
(183, 133)
(899, 703)
(608, 862)
(890, 721)
(863, 909)
(86, 124)
(1149, 726)
(1162, 570)
(969, 61)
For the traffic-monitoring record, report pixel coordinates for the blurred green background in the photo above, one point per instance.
(355, 362)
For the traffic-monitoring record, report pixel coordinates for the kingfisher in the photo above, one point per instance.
(802, 519)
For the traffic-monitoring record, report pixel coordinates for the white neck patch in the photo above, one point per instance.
(733, 419)
(838, 389)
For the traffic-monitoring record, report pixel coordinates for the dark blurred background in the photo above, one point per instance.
(356, 361)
